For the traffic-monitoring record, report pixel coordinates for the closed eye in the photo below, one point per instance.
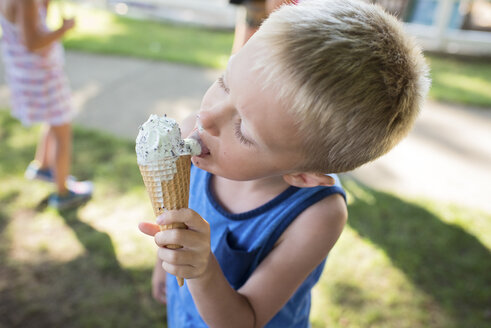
(238, 134)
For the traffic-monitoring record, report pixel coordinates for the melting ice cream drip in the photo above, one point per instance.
(198, 123)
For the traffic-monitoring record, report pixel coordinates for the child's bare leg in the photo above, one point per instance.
(45, 148)
(62, 136)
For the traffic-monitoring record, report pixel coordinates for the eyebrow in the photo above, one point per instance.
(221, 79)
(222, 84)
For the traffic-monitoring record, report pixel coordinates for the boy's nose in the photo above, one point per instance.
(212, 120)
(207, 121)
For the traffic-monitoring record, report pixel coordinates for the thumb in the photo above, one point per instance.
(148, 228)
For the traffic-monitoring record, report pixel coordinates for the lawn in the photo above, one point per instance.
(461, 80)
(399, 263)
(102, 32)
(455, 80)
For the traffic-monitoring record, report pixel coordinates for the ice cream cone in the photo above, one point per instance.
(164, 159)
(167, 184)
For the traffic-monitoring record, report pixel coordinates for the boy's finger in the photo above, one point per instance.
(148, 228)
(185, 237)
(187, 216)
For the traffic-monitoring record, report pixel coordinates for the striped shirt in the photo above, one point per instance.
(38, 85)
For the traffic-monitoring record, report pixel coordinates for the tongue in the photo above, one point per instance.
(204, 150)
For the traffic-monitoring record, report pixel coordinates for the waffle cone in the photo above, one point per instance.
(168, 187)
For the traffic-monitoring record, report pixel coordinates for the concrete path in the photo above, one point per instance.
(446, 157)
(210, 13)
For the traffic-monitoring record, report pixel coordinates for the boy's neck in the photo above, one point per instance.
(243, 196)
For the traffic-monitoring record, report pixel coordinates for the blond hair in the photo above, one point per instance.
(350, 76)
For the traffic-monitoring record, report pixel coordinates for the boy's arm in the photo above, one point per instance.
(159, 277)
(301, 248)
(28, 22)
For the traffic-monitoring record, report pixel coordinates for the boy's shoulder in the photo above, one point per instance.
(329, 211)
(320, 224)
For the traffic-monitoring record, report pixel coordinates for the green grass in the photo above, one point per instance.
(464, 81)
(399, 263)
(102, 32)
(81, 268)
(406, 263)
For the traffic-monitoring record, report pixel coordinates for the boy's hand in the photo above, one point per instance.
(192, 259)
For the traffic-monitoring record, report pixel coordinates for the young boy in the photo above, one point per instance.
(324, 86)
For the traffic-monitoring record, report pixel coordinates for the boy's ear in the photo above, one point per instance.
(304, 180)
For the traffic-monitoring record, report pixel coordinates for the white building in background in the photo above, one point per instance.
(451, 26)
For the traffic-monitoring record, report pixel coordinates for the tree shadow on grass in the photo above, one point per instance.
(96, 243)
(442, 259)
(92, 290)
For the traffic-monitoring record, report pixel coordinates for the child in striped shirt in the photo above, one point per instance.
(34, 60)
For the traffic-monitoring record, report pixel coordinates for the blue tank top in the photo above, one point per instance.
(240, 242)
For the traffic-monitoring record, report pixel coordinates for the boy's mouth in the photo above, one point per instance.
(204, 150)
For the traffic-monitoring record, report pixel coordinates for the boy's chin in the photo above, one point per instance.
(202, 163)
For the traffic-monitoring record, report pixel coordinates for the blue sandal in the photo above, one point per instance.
(34, 171)
(71, 200)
